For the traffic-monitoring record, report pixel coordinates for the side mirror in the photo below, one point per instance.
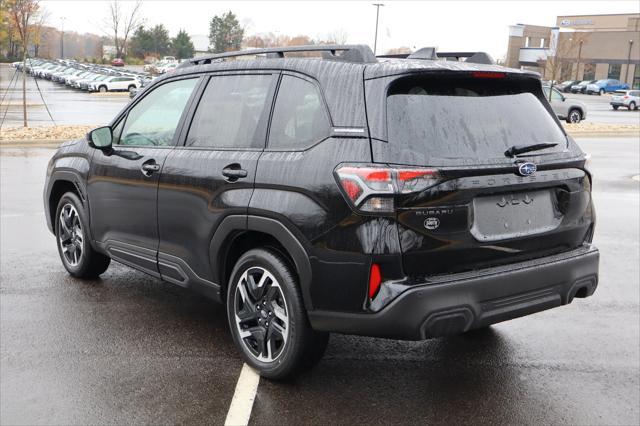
(100, 138)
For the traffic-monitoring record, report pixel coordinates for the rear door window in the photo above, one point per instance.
(300, 117)
(231, 112)
(468, 118)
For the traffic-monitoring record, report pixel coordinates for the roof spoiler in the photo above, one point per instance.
(430, 53)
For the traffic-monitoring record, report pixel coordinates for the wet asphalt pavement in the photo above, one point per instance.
(130, 349)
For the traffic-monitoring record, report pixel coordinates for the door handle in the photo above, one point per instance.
(233, 172)
(149, 167)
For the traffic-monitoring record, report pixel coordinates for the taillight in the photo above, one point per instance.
(371, 188)
(625, 97)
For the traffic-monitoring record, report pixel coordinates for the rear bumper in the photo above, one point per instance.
(618, 103)
(472, 300)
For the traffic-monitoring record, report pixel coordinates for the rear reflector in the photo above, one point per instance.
(375, 278)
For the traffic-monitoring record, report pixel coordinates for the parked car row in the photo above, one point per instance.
(590, 87)
(90, 77)
(167, 64)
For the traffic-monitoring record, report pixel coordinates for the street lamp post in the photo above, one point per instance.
(579, 54)
(626, 74)
(375, 41)
(62, 37)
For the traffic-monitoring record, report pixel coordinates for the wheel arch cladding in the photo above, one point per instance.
(237, 233)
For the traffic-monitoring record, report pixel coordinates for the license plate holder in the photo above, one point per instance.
(514, 215)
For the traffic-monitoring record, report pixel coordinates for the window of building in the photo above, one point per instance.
(526, 42)
(614, 71)
(154, 119)
(542, 41)
(636, 77)
(566, 71)
(230, 111)
(299, 116)
(589, 72)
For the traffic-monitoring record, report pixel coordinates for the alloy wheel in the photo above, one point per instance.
(574, 117)
(261, 315)
(70, 235)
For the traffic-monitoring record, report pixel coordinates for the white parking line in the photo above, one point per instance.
(8, 215)
(243, 397)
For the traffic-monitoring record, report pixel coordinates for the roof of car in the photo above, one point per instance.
(318, 66)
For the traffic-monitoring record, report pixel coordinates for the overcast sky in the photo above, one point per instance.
(448, 25)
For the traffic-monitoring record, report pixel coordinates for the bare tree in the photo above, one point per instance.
(338, 36)
(121, 24)
(567, 50)
(37, 30)
(22, 13)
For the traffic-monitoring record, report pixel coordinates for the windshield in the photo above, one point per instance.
(468, 118)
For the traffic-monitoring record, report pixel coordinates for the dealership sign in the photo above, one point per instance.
(567, 22)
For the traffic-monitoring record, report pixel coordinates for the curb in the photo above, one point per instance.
(33, 143)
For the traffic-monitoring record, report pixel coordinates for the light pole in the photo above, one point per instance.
(375, 41)
(62, 37)
(579, 54)
(626, 74)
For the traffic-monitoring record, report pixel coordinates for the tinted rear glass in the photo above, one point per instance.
(468, 118)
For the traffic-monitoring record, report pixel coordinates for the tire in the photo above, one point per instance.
(574, 116)
(102, 89)
(632, 106)
(268, 321)
(615, 107)
(74, 248)
(601, 92)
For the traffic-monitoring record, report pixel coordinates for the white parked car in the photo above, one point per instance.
(115, 83)
(565, 108)
(629, 99)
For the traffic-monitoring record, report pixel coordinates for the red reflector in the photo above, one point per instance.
(488, 74)
(374, 280)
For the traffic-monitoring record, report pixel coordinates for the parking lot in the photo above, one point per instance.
(67, 106)
(130, 349)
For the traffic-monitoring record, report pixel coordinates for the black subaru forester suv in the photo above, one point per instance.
(407, 197)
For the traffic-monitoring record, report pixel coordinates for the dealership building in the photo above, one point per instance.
(579, 47)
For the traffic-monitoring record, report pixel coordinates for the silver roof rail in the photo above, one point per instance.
(358, 53)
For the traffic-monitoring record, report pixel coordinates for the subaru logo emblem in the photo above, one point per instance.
(527, 169)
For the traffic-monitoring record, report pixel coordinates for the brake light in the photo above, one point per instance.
(488, 74)
(375, 279)
(625, 97)
(371, 188)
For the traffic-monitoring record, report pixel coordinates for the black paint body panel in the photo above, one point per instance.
(179, 224)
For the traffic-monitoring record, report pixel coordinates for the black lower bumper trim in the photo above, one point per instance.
(476, 301)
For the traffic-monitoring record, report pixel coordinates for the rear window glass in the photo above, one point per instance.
(468, 118)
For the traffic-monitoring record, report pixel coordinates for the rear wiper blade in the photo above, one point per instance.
(515, 150)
